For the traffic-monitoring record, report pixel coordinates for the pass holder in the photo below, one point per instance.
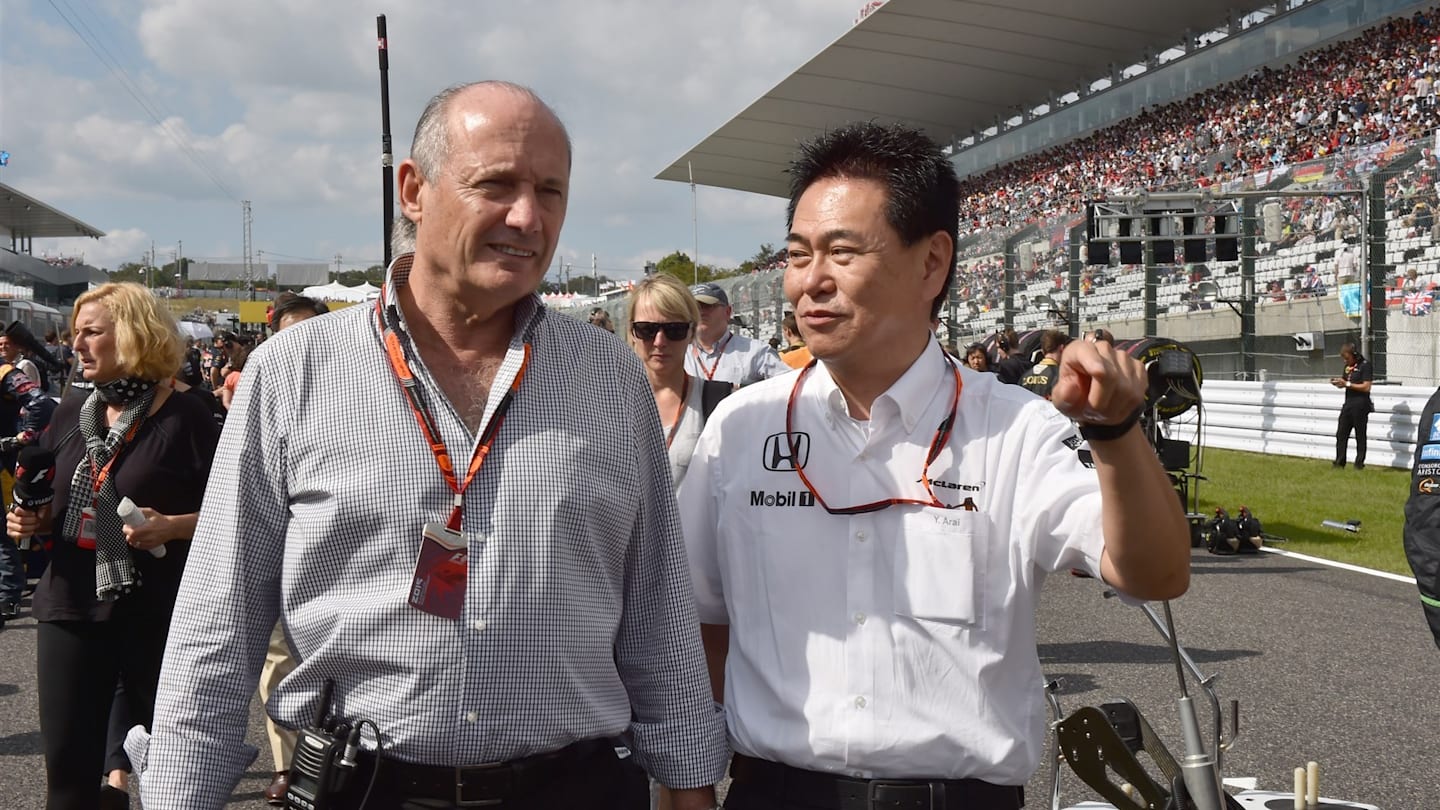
(438, 587)
(86, 537)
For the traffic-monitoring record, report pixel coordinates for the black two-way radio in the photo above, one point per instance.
(321, 766)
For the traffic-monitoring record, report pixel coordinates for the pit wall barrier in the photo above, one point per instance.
(1299, 419)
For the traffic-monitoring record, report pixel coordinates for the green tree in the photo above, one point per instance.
(130, 271)
(682, 267)
(765, 257)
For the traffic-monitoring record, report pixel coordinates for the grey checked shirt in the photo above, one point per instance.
(578, 603)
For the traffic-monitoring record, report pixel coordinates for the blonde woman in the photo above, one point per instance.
(104, 603)
(662, 315)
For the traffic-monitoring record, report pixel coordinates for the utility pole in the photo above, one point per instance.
(179, 276)
(694, 219)
(150, 268)
(337, 266)
(595, 274)
(249, 268)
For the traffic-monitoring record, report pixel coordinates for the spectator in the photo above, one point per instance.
(104, 602)
(976, 358)
(14, 354)
(237, 351)
(63, 356)
(795, 354)
(718, 353)
(291, 309)
(599, 317)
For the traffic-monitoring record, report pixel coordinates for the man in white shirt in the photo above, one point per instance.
(868, 539)
(718, 353)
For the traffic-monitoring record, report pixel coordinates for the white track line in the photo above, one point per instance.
(1346, 566)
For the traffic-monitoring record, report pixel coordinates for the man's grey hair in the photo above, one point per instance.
(430, 148)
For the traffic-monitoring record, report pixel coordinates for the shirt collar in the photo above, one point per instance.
(527, 311)
(910, 396)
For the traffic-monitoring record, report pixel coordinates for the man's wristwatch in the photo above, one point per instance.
(1104, 433)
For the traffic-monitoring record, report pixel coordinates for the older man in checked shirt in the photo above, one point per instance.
(575, 621)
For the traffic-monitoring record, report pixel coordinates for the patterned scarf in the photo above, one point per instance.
(115, 572)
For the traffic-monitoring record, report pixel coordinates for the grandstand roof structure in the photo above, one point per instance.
(24, 216)
(946, 67)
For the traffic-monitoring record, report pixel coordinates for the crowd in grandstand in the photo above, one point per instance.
(1378, 87)
(1374, 95)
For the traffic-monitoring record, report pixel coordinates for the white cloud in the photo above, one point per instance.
(279, 101)
(115, 248)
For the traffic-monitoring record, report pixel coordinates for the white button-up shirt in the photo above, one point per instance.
(899, 643)
(735, 359)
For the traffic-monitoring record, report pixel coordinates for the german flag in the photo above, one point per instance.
(1309, 172)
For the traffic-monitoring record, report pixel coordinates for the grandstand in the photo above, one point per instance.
(1320, 114)
(53, 281)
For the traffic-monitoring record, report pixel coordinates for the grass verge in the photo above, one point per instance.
(1290, 496)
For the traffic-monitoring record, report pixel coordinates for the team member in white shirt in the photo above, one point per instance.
(868, 538)
(718, 353)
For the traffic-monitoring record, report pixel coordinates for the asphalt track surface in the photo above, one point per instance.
(1328, 665)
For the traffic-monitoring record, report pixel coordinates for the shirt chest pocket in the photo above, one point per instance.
(940, 562)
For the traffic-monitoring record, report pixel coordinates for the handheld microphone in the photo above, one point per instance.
(134, 518)
(34, 480)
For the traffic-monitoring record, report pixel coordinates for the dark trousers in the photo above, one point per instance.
(600, 781)
(761, 785)
(12, 573)
(77, 667)
(1356, 418)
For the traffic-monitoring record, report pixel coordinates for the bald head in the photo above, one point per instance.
(435, 132)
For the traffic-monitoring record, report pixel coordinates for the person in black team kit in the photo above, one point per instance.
(1355, 413)
(1422, 514)
(1010, 365)
(1041, 379)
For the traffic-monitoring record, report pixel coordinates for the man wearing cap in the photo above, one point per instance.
(718, 353)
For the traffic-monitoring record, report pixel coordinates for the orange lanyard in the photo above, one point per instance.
(719, 354)
(410, 386)
(100, 476)
(679, 412)
(942, 437)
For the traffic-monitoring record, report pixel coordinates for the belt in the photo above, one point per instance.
(484, 785)
(826, 791)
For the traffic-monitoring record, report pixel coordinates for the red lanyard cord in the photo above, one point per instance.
(395, 353)
(719, 354)
(942, 437)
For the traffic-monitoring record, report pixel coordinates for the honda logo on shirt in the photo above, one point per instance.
(786, 452)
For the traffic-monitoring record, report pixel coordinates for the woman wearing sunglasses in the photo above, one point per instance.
(662, 315)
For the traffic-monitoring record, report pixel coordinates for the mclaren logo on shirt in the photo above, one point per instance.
(760, 497)
(1427, 486)
(786, 452)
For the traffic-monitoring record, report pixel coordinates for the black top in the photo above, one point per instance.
(1011, 369)
(1358, 373)
(164, 468)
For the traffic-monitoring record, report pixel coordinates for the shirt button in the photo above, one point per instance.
(859, 618)
(479, 624)
(860, 702)
(861, 536)
(471, 717)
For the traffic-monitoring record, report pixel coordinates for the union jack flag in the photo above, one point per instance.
(1418, 303)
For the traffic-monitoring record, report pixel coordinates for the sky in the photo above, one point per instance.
(152, 119)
